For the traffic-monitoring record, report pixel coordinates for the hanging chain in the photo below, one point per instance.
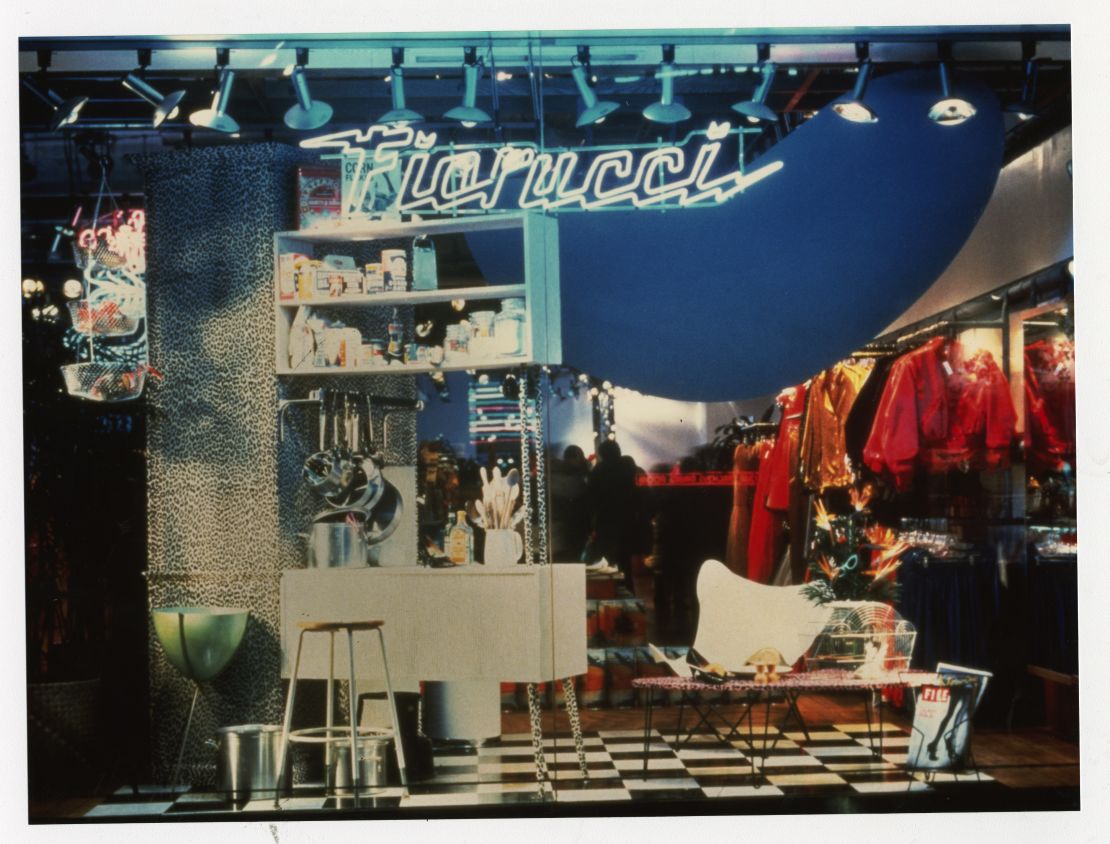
(541, 387)
(533, 382)
(526, 464)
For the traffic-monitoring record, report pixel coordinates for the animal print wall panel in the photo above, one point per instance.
(225, 502)
(212, 497)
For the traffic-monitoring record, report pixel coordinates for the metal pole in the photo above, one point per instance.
(185, 737)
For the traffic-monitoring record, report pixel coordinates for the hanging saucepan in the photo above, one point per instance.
(385, 516)
(375, 525)
(331, 472)
(366, 487)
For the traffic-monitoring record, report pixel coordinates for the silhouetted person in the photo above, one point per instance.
(676, 557)
(612, 486)
(570, 504)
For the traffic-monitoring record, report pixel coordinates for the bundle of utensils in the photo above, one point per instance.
(497, 508)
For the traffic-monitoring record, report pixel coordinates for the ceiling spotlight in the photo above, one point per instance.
(399, 114)
(165, 108)
(595, 110)
(216, 117)
(854, 110)
(65, 111)
(756, 109)
(467, 113)
(306, 114)
(949, 110)
(73, 288)
(1024, 107)
(667, 110)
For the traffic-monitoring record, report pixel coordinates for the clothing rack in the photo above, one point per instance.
(948, 325)
(742, 429)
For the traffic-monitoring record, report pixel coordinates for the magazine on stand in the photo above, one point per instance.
(942, 718)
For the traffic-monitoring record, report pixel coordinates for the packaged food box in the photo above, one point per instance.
(321, 282)
(593, 689)
(318, 196)
(288, 264)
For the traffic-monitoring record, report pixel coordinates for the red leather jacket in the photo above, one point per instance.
(941, 411)
(1049, 405)
(784, 457)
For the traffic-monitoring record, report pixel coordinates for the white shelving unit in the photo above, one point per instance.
(539, 288)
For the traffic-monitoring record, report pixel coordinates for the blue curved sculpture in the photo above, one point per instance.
(742, 299)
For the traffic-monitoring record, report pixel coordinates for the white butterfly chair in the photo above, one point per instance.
(737, 617)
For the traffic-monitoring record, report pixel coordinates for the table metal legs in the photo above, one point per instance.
(534, 715)
(570, 700)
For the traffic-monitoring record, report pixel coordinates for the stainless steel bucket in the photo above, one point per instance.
(336, 544)
(248, 760)
(373, 765)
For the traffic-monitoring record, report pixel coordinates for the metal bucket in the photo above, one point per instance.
(336, 544)
(373, 766)
(248, 759)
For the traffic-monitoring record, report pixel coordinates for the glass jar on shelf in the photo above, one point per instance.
(508, 329)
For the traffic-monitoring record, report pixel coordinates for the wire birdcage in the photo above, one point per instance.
(863, 634)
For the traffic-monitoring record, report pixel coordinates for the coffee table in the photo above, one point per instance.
(790, 687)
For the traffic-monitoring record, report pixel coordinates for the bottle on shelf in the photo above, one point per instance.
(424, 263)
(460, 541)
(395, 349)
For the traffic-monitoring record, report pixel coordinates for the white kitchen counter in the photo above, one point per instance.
(522, 624)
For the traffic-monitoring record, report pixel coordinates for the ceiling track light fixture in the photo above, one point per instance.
(1024, 108)
(667, 110)
(854, 110)
(66, 112)
(165, 107)
(756, 109)
(949, 110)
(468, 114)
(307, 113)
(595, 110)
(217, 117)
(399, 115)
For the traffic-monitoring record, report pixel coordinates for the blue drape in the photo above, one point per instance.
(739, 300)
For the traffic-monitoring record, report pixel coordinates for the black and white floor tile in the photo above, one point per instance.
(833, 761)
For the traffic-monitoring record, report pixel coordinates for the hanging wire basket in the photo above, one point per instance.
(101, 319)
(99, 255)
(109, 382)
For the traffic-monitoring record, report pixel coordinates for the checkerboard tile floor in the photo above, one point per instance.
(833, 761)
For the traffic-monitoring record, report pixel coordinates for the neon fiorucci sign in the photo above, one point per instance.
(418, 176)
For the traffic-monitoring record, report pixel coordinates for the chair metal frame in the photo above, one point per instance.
(310, 734)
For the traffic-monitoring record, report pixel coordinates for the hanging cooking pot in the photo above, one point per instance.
(375, 525)
(385, 516)
(366, 487)
(330, 472)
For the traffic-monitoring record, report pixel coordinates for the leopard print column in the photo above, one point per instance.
(225, 502)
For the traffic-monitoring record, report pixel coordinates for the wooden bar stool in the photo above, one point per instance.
(310, 735)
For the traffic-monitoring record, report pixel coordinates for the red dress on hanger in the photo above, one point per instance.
(745, 466)
(766, 528)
